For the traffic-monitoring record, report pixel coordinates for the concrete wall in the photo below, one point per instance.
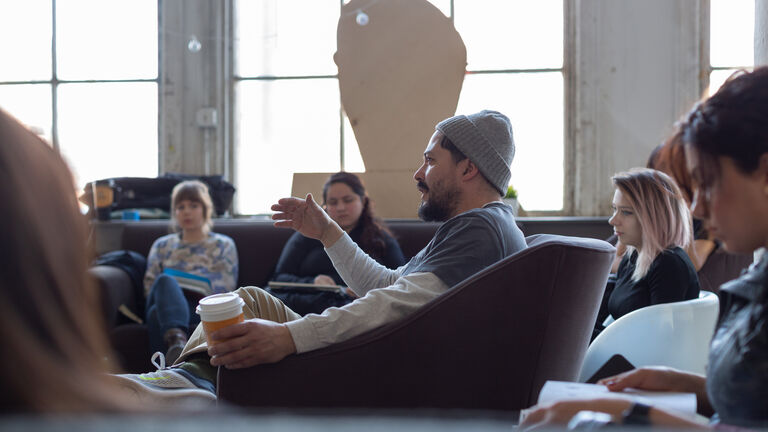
(636, 68)
(761, 32)
(195, 83)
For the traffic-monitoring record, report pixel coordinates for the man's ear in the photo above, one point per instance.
(470, 170)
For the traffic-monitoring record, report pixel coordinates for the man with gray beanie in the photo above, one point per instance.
(462, 179)
(484, 140)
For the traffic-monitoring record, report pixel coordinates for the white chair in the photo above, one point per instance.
(671, 334)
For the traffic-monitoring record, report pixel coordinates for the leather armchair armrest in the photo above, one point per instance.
(116, 288)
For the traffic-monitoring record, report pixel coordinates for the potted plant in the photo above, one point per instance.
(510, 198)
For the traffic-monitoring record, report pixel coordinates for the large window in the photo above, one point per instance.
(83, 75)
(731, 40)
(523, 80)
(290, 117)
(289, 109)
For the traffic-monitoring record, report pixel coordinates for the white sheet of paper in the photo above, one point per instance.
(560, 390)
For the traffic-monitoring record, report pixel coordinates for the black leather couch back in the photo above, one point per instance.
(259, 242)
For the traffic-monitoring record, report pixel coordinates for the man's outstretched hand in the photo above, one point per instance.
(308, 218)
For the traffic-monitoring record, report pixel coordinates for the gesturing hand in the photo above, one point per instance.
(250, 343)
(306, 217)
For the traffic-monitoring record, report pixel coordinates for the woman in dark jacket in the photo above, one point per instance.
(304, 260)
(726, 145)
(651, 219)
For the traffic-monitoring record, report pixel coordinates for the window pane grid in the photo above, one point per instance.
(722, 68)
(287, 77)
(481, 66)
(731, 42)
(512, 71)
(81, 61)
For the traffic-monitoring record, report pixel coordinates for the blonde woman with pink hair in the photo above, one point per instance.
(652, 219)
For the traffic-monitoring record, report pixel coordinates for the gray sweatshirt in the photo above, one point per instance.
(462, 246)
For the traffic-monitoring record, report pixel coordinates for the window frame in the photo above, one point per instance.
(706, 62)
(54, 82)
(567, 201)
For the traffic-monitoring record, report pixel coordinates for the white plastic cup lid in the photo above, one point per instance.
(220, 307)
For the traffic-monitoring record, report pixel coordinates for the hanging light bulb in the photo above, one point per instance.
(194, 44)
(361, 18)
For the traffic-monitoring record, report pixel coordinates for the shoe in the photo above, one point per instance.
(167, 386)
(173, 353)
(175, 339)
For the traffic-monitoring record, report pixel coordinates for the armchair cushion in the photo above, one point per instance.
(116, 289)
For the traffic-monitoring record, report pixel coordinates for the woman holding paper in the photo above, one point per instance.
(726, 146)
(195, 250)
(303, 260)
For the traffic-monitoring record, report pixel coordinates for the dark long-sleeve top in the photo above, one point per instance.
(304, 258)
(670, 278)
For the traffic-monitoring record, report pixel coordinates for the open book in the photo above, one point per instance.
(306, 286)
(684, 403)
(192, 282)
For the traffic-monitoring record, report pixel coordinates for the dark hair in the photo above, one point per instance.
(374, 233)
(456, 154)
(669, 157)
(664, 217)
(55, 343)
(731, 123)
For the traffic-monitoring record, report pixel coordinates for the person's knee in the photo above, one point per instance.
(252, 291)
(150, 315)
(164, 282)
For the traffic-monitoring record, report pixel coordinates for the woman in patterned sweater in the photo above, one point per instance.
(194, 249)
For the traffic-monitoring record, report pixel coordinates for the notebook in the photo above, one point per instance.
(299, 286)
(192, 282)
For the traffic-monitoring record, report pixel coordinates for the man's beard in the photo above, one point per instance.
(440, 204)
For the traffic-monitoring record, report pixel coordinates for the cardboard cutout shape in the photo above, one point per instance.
(399, 75)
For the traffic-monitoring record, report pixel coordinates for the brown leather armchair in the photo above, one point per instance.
(489, 343)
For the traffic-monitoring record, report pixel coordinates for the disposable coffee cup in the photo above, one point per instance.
(218, 311)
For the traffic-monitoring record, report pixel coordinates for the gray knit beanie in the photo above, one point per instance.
(486, 139)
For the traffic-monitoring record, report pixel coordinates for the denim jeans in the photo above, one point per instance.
(167, 308)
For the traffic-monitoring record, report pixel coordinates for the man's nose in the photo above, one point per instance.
(418, 175)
